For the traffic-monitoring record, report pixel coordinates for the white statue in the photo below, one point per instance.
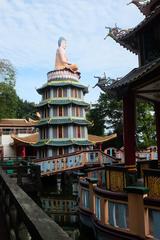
(61, 61)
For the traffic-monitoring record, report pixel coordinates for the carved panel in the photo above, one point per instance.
(116, 181)
(153, 183)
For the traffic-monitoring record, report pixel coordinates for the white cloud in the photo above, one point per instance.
(30, 29)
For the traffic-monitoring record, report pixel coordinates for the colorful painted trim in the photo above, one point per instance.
(62, 143)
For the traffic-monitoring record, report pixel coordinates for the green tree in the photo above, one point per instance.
(25, 109)
(108, 115)
(8, 101)
(7, 72)
(11, 106)
(146, 129)
(96, 117)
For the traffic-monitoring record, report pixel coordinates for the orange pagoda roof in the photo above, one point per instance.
(30, 139)
(33, 138)
(17, 122)
(101, 139)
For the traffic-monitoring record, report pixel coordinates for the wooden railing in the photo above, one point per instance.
(122, 215)
(73, 161)
(24, 219)
(27, 174)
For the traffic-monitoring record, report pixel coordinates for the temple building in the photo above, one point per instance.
(142, 82)
(63, 125)
(11, 129)
(129, 207)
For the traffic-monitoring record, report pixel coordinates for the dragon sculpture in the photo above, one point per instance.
(116, 33)
(104, 82)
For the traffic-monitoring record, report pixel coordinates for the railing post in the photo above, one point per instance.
(92, 185)
(138, 218)
(104, 211)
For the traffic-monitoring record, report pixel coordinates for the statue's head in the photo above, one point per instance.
(62, 42)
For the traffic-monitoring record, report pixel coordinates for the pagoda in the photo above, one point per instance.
(63, 125)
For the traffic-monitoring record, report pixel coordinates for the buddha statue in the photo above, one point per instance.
(61, 61)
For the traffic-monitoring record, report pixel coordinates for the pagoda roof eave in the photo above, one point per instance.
(62, 83)
(134, 79)
(57, 143)
(101, 139)
(62, 102)
(30, 139)
(128, 39)
(61, 121)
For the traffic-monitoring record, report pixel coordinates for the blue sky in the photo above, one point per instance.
(29, 31)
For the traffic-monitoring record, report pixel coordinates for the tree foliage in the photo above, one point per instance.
(108, 115)
(146, 129)
(11, 106)
(7, 72)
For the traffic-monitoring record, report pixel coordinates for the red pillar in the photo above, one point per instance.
(23, 151)
(157, 116)
(100, 146)
(129, 124)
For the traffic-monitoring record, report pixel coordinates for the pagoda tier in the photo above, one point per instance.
(63, 125)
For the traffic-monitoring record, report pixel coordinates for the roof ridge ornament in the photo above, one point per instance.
(104, 81)
(116, 33)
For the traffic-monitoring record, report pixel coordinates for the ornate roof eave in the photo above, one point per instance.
(132, 79)
(145, 6)
(128, 38)
(62, 84)
(101, 139)
(61, 121)
(62, 143)
(62, 102)
(117, 34)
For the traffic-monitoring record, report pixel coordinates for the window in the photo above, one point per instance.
(60, 135)
(75, 93)
(98, 208)
(46, 113)
(60, 92)
(60, 111)
(44, 133)
(60, 151)
(78, 132)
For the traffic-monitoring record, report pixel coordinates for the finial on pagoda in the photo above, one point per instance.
(143, 5)
(116, 32)
(61, 61)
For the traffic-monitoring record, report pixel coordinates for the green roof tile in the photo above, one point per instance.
(62, 102)
(62, 84)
